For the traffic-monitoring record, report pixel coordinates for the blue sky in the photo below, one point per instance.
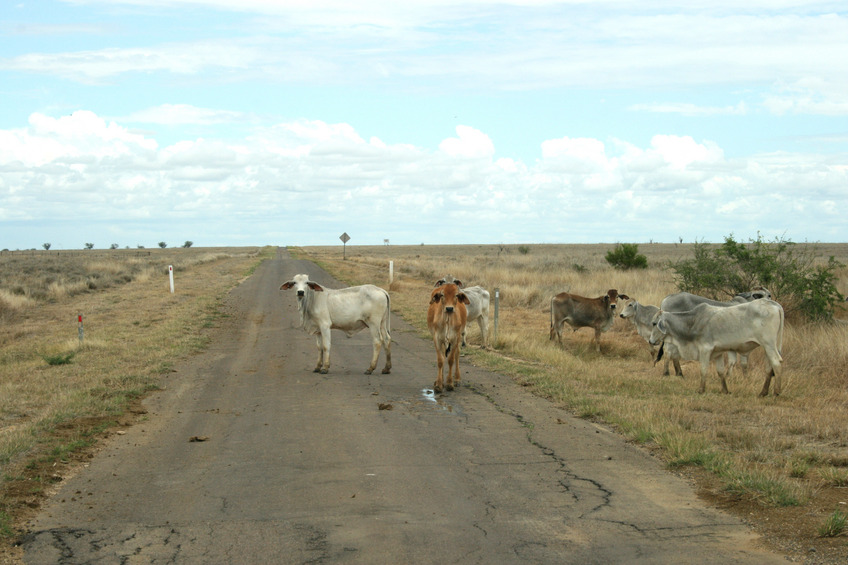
(273, 122)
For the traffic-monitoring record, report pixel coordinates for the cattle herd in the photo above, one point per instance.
(684, 327)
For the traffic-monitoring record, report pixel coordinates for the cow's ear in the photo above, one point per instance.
(315, 286)
(623, 297)
(458, 283)
(287, 285)
(439, 283)
(606, 299)
(436, 298)
(661, 325)
(463, 298)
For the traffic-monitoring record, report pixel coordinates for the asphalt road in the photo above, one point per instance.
(298, 467)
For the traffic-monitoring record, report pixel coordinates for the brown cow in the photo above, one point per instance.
(582, 312)
(446, 319)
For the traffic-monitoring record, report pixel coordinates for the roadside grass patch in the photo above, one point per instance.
(834, 525)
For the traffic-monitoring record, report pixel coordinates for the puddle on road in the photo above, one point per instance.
(439, 401)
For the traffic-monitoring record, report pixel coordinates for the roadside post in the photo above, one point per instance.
(497, 307)
(79, 320)
(171, 277)
(391, 272)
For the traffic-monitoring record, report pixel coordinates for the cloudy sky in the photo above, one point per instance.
(252, 122)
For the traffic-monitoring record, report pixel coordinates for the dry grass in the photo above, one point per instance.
(778, 450)
(134, 330)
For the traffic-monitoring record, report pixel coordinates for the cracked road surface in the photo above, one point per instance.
(298, 467)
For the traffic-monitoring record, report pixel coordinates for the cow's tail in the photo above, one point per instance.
(388, 328)
(780, 336)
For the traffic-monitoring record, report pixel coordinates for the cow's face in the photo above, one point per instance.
(629, 309)
(448, 296)
(300, 283)
(611, 297)
(657, 329)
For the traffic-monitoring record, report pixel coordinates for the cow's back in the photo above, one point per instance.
(478, 302)
(579, 310)
(355, 305)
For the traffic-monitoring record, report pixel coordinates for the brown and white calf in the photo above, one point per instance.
(478, 308)
(446, 318)
(348, 309)
(581, 312)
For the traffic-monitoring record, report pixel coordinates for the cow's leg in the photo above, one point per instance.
(376, 342)
(705, 368)
(464, 331)
(320, 362)
(722, 371)
(451, 353)
(776, 361)
(324, 346)
(440, 361)
(455, 365)
(483, 322)
(598, 340)
(387, 343)
(743, 363)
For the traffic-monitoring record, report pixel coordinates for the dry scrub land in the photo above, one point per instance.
(782, 463)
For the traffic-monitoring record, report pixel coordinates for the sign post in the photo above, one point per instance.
(79, 319)
(497, 307)
(345, 238)
(171, 277)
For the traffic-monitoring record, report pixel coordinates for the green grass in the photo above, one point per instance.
(834, 525)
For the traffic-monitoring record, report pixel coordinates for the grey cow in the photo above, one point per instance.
(685, 301)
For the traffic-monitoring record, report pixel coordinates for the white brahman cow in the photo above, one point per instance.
(348, 309)
(706, 332)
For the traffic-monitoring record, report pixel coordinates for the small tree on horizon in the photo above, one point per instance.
(188, 244)
(163, 245)
(113, 246)
(89, 246)
(46, 246)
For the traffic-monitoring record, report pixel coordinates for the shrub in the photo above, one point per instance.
(626, 256)
(788, 273)
(523, 249)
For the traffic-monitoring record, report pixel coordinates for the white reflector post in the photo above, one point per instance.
(171, 277)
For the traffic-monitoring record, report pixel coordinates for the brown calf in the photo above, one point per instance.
(581, 312)
(446, 319)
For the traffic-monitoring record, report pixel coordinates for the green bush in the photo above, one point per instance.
(626, 256)
(788, 272)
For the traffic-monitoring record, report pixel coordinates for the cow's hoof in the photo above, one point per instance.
(316, 370)
(369, 371)
(437, 389)
(386, 371)
(449, 387)
(324, 371)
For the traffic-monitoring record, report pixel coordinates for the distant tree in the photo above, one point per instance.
(113, 246)
(89, 246)
(188, 244)
(163, 245)
(523, 249)
(139, 246)
(46, 246)
(626, 256)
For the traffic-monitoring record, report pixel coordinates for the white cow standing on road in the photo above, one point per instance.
(706, 332)
(348, 309)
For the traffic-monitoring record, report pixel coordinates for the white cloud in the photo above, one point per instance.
(295, 175)
(181, 114)
(471, 143)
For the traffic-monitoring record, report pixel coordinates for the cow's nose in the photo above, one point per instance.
(300, 293)
(449, 309)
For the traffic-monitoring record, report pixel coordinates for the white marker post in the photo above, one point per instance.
(391, 272)
(79, 318)
(171, 277)
(497, 307)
